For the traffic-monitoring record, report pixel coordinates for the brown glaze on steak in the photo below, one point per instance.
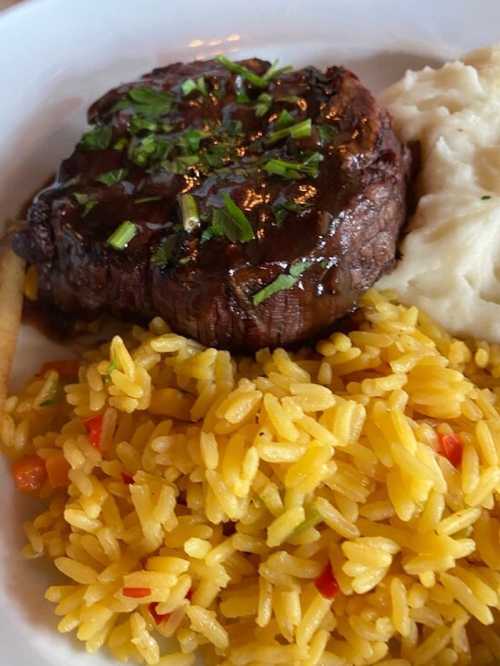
(338, 221)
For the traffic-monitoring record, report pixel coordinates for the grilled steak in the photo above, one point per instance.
(248, 206)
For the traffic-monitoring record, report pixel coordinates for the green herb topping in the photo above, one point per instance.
(87, 201)
(285, 119)
(327, 133)
(485, 197)
(222, 225)
(140, 124)
(191, 139)
(122, 235)
(312, 519)
(264, 102)
(282, 282)
(97, 138)
(297, 131)
(274, 71)
(230, 222)
(112, 366)
(244, 72)
(112, 177)
(149, 102)
(151, 148)
(233, 127)
(281, 210)
(144, 200)
(255, 79)
(242, 96)
(162, 256)
(120, 144)
(190, 214)
(245, 229)
(290, 99)
(190, 85)
(295, 170)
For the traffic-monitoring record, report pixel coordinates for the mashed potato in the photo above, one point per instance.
(451, 256)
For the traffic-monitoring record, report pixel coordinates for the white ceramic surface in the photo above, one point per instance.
(56, 56)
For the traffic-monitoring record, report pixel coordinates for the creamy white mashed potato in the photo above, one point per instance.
(451, 255)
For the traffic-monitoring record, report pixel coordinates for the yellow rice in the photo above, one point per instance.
(223, 486)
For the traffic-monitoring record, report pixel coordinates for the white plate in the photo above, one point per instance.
(56, 56)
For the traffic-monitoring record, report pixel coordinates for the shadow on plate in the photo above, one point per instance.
(24, 581)
(382, 69)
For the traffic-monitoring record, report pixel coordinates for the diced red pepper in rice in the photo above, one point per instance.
(29, 473)
(189, 594)
(93, 426)
(157, 617)
(57, 470)
(326, 583)
(127, 478)
(136, 592)
(451, 447)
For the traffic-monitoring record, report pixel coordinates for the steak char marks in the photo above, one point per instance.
(261, 204)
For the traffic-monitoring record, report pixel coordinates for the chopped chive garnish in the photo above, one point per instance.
(326, 133)
(221, 226)
(112, 365)
(140, 124)
(190, 85)
(297, 268)
(190, 214)
(247, 74)
(143, 200)
(149, 102)
(163, 254)
(112, 177)
(230, 222)
(277, 135)
(280, 213)
(264, 102)
(282, 282)
(295, 170)
(190, 141)
(149, 149)
(97, 138)
(188, 160)
(485, 197)
(233, 127)
(246, 232)
(253, 78)
(216, 155)
(181, 164)
(202, 86)
(281, 210)
(241, 93)
(285, 119)
(297, 131)
(291, 99)
(53, 396)
(166, 127)
(312, 518)
(86, 201)
(122, 235)
(49, 402)
(301, 130)
(274, 71)
(120, 144)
